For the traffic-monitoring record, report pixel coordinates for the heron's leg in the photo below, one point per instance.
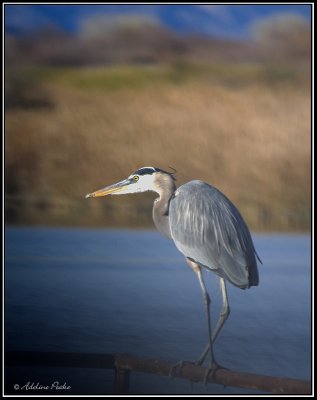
(197, 269)
(213, 364)
(224, 313)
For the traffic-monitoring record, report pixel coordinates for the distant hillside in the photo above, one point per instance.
(222, 21)
(138, 40)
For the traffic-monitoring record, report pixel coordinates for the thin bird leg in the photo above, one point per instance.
(197, 269)
(213, 365)
(225, 311)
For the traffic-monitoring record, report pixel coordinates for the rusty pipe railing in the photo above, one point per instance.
(221, 376)
(124, 364)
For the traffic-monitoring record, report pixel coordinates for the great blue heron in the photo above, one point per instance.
(205, 226)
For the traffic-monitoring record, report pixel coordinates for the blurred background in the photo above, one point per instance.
(218, 92)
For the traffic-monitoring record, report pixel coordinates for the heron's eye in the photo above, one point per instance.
(135, 178)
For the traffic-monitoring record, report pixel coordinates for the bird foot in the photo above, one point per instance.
(211, 371)
(176, 369)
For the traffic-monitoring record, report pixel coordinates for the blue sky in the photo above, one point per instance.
(213, 20)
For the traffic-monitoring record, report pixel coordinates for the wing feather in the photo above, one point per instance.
(207, 228)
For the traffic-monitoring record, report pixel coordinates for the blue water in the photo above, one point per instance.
(130, 291)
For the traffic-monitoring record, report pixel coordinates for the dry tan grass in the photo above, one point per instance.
(251, 141)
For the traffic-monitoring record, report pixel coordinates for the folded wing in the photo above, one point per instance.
(207, 228)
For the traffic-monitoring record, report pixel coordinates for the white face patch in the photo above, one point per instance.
(143, 184)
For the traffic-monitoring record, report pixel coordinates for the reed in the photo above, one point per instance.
(245, 129)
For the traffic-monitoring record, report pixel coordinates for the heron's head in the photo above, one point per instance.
(143, 180)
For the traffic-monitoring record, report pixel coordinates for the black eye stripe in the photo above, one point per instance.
(151, 171)
(145, 171)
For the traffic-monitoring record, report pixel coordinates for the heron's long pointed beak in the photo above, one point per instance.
(112, 189)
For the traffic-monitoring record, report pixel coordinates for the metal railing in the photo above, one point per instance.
(124, 364)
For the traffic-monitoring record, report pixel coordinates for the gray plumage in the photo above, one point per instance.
(207, 228)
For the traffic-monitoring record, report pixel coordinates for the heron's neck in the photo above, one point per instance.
(161, 206)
